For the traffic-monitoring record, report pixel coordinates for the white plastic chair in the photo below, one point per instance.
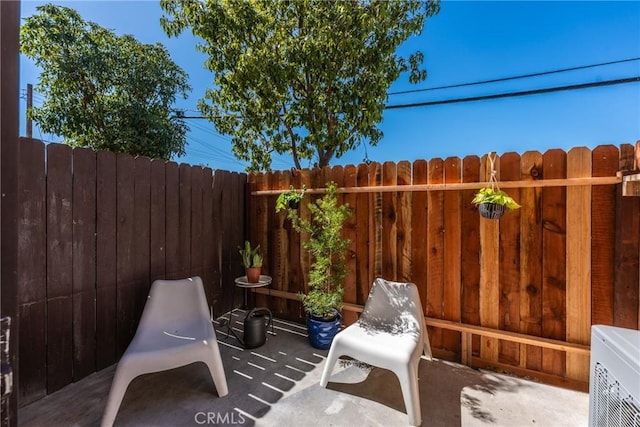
(390, 334)
(175, 330)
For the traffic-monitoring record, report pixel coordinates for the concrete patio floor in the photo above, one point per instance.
(451, 394)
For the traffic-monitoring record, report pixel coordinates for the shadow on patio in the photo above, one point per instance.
(277, 384)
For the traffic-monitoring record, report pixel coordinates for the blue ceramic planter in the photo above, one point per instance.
(321, 333)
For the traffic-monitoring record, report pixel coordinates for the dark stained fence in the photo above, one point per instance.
(569, 258)
(95, 230)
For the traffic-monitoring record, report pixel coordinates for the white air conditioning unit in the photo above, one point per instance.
(614, 390)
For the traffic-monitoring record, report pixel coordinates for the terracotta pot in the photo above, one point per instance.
(253, 274)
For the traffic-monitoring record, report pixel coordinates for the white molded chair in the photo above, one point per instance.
(175, 330)
(390, 334)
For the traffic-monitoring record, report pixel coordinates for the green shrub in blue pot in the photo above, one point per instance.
(323, 300)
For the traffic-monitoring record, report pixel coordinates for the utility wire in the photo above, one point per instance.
(502, 95)
(513, 94)
(523, 76)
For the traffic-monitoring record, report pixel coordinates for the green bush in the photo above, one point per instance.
(327, 248)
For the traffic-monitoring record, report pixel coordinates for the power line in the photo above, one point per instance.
(513, 94)
(523, 76)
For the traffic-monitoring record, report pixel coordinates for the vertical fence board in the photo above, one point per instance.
(295, 284)
(84, 262)
(141, 212)
(239, 190)
(157, 220)
(280, 242)
(403, 229)
(531, 259)
(184, 236)
(363, 242)
(351, 233)
(236, 234)
(32, 272)
(603, 227)
(221, 305)
(553, 262)
(389, 224)
(470, 250)
(578, 299)
(172, 220)
(375, 225)
(510, 263)
(106, 259)
(626, 289)
(435, 246)
(419, 249)
(305, 258)
(59, 268)
(208, 263)
(228, 284)
(125, 252)
(452, 252)
(196, 267)
(489, 271)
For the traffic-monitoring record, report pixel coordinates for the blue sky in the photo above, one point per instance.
(467, 41)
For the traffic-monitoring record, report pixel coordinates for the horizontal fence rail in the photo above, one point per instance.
(569, 182)
(568, 259)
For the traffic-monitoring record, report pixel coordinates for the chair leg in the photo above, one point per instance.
(214, 363)
(408, 377)
(119, 386)
(427, 346)
(329, 364)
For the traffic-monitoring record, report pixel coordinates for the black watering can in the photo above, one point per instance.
(255, 327)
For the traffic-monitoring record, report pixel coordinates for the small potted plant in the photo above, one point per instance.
(323, 301)
(493, 202)
(252, 261)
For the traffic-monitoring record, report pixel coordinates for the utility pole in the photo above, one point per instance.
(29, 106)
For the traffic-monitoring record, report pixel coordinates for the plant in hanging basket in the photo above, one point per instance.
(493, 203)
(290, 199)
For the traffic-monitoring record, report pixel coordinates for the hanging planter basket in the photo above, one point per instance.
(491, 210)
(492, 202)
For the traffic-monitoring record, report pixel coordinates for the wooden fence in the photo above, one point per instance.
(569, 258)
(96, 228)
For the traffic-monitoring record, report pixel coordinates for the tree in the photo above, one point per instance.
(104, 91)
(305, 77)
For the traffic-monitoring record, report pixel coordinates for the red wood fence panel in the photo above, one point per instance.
(570, 254)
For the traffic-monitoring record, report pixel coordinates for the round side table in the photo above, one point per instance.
(242, 282)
